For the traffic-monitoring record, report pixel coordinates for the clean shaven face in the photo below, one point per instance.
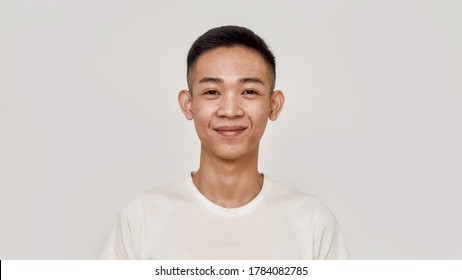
(230, 101)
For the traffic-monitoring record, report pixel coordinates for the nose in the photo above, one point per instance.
(230, 106)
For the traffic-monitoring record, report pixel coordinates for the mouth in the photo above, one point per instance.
(230, 130)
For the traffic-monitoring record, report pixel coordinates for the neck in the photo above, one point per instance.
(228, 183)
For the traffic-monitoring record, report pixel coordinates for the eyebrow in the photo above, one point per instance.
(211, 80)
(251, 80)
(242, 80)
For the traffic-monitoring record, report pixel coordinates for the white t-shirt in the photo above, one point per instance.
(179, 222)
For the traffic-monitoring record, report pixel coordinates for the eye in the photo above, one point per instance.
(249, 92)
(211, 92)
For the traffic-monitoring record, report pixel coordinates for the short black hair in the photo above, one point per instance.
(230, 36)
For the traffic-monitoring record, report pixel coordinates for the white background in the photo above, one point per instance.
(371, 126)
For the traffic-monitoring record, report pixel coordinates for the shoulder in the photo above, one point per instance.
(157, 198)
(173, 189)
(300, 200)
(286, 193)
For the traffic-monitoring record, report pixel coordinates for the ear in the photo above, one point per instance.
(277, 102)
(185, 101)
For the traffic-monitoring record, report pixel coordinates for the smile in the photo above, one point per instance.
(230, 130)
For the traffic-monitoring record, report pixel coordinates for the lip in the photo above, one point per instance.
(230, 130)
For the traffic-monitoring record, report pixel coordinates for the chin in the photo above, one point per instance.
(233, 153)
(230, 156)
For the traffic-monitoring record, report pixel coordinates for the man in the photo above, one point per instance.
(227, 209)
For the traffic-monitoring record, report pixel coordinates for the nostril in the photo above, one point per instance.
(230, 109)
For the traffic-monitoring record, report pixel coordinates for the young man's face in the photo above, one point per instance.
(230, 101)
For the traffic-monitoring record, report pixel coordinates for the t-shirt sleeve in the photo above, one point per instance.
(125, 239)
(328, 239)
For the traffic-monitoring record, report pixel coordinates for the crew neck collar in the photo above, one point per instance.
(237, 211)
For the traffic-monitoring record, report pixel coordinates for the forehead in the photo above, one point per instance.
(231, 62)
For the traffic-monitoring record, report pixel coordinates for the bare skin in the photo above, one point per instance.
(230, 101)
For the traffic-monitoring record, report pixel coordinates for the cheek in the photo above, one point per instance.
(199, 110)
(259, 112)
(202, 118)
(259, 120)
